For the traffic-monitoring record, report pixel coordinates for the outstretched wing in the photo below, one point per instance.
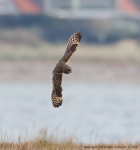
(57, 90)
(73, 42)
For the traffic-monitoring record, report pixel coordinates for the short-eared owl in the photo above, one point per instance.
(62, 67)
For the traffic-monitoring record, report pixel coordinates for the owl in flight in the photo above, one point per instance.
(62, 67)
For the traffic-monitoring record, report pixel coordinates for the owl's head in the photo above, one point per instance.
(68, 70)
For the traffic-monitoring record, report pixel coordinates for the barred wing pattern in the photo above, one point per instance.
(73, 42)
(57, 90)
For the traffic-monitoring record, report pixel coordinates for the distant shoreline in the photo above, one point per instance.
(99, 71)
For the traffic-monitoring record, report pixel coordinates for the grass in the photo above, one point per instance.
(122, 51)
(45, 145)
(43, 141)
(51, 142)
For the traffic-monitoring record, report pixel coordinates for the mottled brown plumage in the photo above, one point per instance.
(62, 67)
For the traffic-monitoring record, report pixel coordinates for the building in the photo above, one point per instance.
(74, 9)
(91, 9)
(80, 9)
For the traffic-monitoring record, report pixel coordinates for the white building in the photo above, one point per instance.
(80, 9)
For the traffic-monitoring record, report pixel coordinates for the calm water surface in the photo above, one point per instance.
(109, 111)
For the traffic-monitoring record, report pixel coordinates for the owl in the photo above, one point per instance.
(62, 67)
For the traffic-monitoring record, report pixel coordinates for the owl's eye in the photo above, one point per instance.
(69, 69)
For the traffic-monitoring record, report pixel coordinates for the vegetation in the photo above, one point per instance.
(42, 142)
(94, 30)
(51, 142)
(123, 51)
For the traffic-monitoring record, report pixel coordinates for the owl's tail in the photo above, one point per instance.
(56, 100)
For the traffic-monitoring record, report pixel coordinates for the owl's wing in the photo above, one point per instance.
(73, 42)
(57, 90)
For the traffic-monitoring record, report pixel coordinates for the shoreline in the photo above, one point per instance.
(99, 71)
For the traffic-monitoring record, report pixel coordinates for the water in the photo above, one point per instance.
(109, 111)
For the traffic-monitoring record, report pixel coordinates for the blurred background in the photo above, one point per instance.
(101, 98)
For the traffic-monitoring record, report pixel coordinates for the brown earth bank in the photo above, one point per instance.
(103, 71)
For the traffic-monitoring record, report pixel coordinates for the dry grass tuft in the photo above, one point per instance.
(44, 141)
